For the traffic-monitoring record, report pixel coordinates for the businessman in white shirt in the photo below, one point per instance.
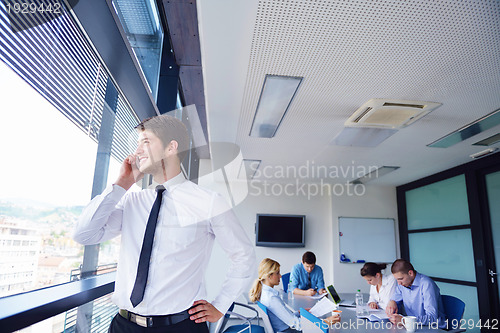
(164, 254)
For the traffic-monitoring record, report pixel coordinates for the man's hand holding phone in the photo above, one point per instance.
(129, 172)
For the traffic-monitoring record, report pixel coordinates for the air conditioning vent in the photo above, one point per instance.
(416, 106)
(383, 113)
(362, 114)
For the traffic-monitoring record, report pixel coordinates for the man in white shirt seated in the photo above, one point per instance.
(167, 237)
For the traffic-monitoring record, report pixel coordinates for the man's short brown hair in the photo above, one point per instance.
(402, 266)
(309, 258)
(168, 128)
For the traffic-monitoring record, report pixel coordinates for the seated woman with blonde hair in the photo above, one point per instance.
(281, 318)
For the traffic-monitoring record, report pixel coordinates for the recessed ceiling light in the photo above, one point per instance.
(362, 137)
(480, 125)
(384, 170)
(248, 168)
(488, 141)
(275, 99)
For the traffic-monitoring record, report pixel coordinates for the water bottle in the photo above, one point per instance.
(360, 306)
(290, 290)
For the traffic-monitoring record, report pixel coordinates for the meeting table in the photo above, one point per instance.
(349, 321)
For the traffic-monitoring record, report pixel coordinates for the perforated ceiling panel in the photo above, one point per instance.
(351, 51)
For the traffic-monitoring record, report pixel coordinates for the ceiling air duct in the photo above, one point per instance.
(389, 113)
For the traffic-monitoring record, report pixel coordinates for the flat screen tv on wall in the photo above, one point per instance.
(280, 230)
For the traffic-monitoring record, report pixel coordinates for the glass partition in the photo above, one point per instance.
(493, 188)
(440, 204)
(445, 254)
(468, 295)
(440, 241)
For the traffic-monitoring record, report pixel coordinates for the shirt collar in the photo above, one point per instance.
(270, 290)
(416, 281)
(172, 183)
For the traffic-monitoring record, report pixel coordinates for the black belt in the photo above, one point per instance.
(154, 321)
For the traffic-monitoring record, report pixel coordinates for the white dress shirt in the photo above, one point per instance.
(383, 296)
(280, 316)
(190, 219)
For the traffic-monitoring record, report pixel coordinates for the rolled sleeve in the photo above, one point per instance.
(321, 281)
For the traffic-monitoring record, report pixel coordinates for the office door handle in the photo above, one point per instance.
(492, 274)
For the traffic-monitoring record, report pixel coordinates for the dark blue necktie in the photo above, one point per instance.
(147, 245)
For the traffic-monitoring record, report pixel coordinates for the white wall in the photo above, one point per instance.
(322, 212)
(376, 201)
(318, 224)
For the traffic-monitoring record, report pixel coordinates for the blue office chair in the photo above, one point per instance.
(245, 327)
(265, 317)
(453, 307)
(313, 319)
(285, 278)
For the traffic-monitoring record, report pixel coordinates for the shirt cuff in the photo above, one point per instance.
(222, 304)
(114, 192)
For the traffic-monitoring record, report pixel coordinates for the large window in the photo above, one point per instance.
(64, 123)
(67, 129)
(48, 165)
(103, 311)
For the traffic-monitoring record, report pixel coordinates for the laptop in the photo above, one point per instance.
(336, 298)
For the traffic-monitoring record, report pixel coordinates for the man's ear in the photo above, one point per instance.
(172, 146)
(411, 273)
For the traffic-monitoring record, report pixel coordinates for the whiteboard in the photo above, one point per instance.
(368, 239)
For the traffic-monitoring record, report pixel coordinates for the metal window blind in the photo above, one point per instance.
(51, 54)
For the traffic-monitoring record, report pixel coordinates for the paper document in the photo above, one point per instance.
(318, 296)
(323, 307)
(375, 315)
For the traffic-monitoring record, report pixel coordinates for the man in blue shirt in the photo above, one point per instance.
(418, 293)
(307, 278)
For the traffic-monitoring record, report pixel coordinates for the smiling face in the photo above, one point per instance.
(404, 279)
(373, 280)
(151, 154)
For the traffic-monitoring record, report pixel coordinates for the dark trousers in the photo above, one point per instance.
(122, 325)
